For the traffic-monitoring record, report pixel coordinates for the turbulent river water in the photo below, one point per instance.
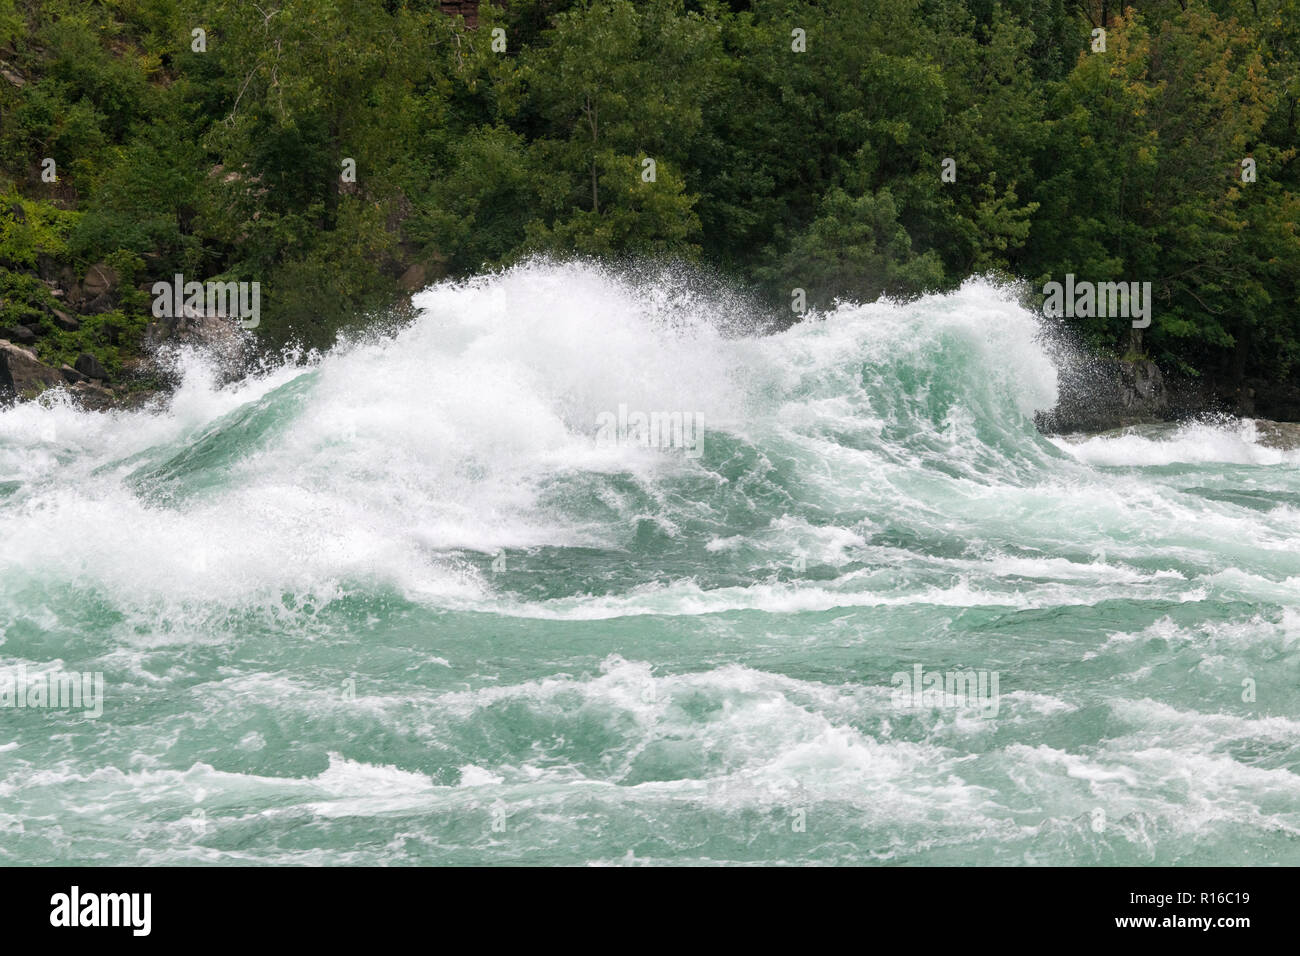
(403, 605)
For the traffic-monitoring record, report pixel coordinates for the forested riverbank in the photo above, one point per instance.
(344, 153)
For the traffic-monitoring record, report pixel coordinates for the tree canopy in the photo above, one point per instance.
(845, 147)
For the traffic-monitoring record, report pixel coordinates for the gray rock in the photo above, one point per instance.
(98, 305)
(1142, 387)
(206, 331)
(1102, 394)
(1281, 435)
(415, 278)
(100, 279)
(90, 367)
(22, 374)
(47, 267)
(71, 375)
(21, 334)
(94, 397)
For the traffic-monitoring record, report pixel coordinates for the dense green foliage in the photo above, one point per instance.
(779, 169)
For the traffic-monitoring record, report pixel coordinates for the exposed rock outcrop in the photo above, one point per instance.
(1281, 435)
(97, 293)
(1103, 394)
(218, 337)
(71, 375)
(95, 397)
(90, 367)
(22, 374)
(22, 334)
(199, 329)
(68, 323)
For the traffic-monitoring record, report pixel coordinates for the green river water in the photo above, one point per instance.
(401, 606)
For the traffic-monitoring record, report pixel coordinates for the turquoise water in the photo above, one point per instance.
(400, 605)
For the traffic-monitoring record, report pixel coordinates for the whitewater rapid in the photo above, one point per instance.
(363, 607)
